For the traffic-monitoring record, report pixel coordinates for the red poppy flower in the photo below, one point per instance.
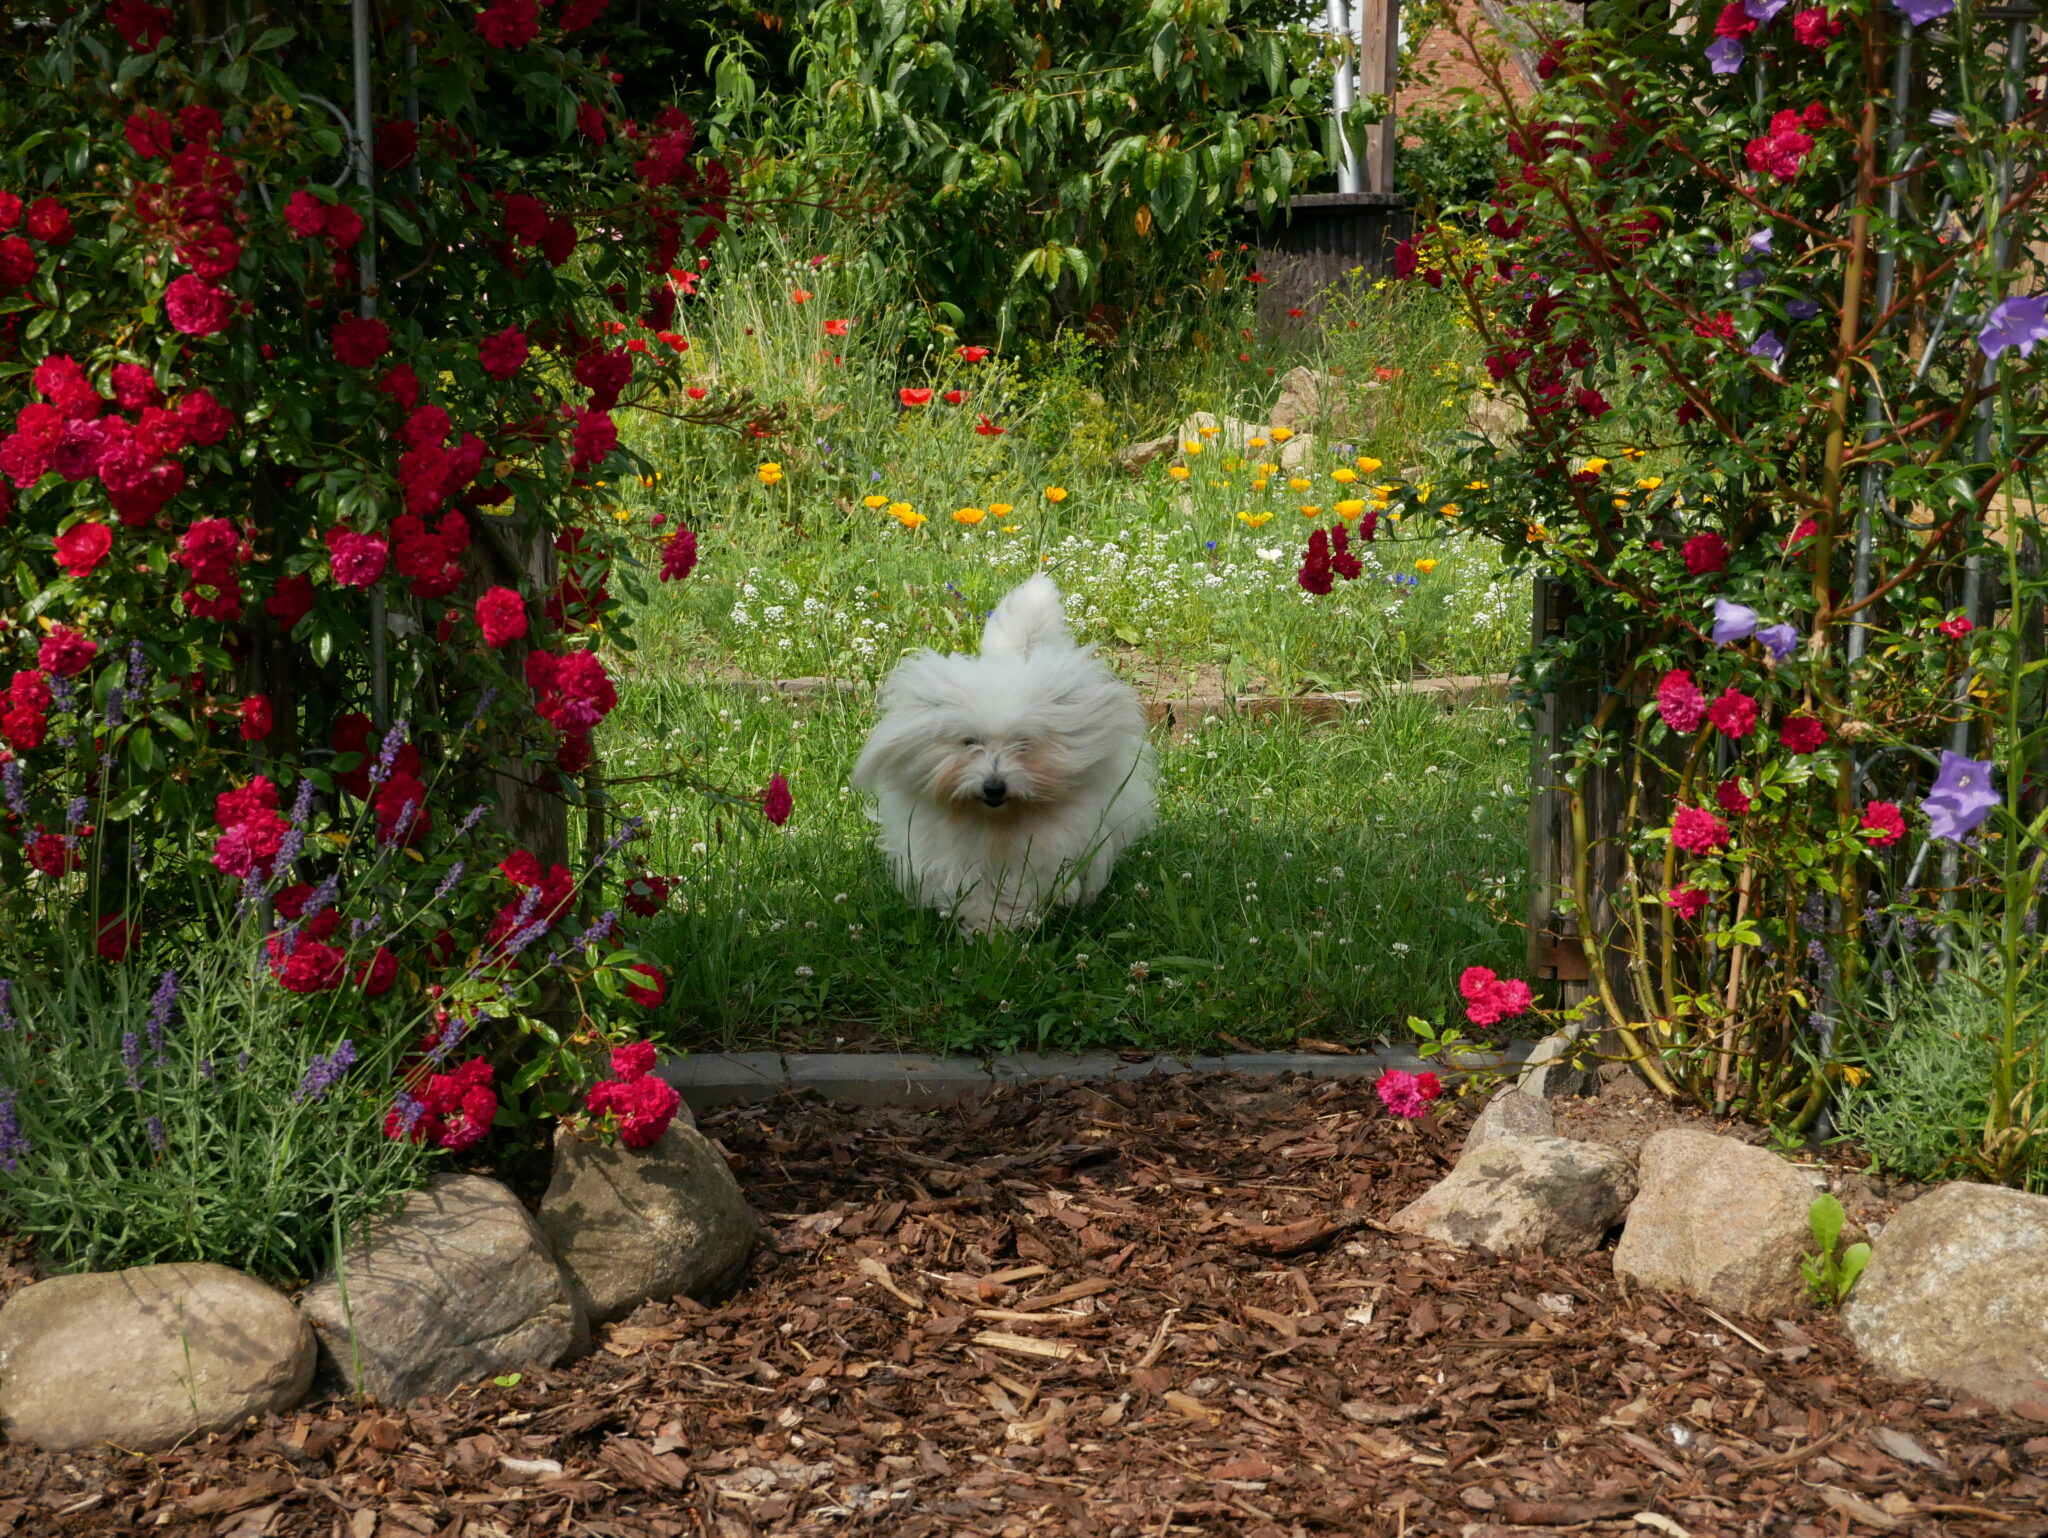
(955, 397)
(973, 354)
(837, 327)
(988, 429)
(799, 296)
(914, 397)
(1255, 277)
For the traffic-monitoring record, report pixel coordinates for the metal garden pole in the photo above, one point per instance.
(366, 260)
(1338, 15)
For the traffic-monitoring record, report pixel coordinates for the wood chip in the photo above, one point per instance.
(1025, 1345)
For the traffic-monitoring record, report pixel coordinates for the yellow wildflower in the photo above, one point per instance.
(1594, 466)
(1254, 520)
(1368, 464)
(1055, 494)
(621, 514)
(1621, 504)
(1449, 510)
(1633, 453)
(1426, 565)
(1649, 483)
(1259, 484)
(911, 520)
(874, 501)
(1537, 533)
(1208, 432)
(1255, 443)
(899, 511)
(770, 474)
(1191, 446)
(1477, 486)
(969, 514)
(1310, 510)
(1177, 472)
(1282, 434)
(1269, 469)
(999, 509)
(1299, 483)
(1350, 508)
(1343, 477)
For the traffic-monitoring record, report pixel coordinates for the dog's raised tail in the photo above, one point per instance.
(1029, 616)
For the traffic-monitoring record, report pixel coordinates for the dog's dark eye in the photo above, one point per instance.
(970, 742)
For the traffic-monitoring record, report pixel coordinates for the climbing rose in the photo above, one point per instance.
(1698, 831)
(643, 1106)
(647, 995)
(509, 23)
(1802, 734)
(1688, 902)
(292, 601)
(452, 1110)
(1731, 798)
(65, 652)
(82, 547)
(1734, 713)
(1680, 702)
(135, 387)
(195, 306)
(501, 615)
(776, 801)
(116, 936)
(595, 438)
(646, 895)
(361, 340)
(1883, 823)
(678, 555)
(1815, 28)
(142, 25)
(1956, 628)
(149, 134)
(376, 976)
(205, 420)
(1489, 998)
(503, 354)
(48, 222)
(357, 559)
(1406, 1095)
(1780, 153)
(1705, 553)
(256, 719)
(17, 262)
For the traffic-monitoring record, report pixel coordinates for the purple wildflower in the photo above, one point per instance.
(302, 803)
(323, 1073)
(158, 1138)
(13, 1141)
(525, 937)
(10, 783)
(2015, 323)
(117, 700)
(1961, 797)
(1763, 12)
(388, 754)
(1759, 243)
(206, 1069)
(1769, 348)
(131, 1058)
(472, 817)
(74, 813)
(357, 928)
(1724, 55)
(138, 668)
(410, 1111)
(601, 928)
(1779, 640)
(322, 897)
(63, 693)
(1801, 309)
(1756, 277)
(1732, 622)
(1921, 12)
(448, 881)
(450, 1037)
(6, 1005)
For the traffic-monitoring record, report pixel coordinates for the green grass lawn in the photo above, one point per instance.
(1318, 880)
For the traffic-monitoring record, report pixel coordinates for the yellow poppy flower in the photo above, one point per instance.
(1477, 486)
(1259, 484)
(1344, 477)
(1621, 504)
(621, 514)
(1055, 493)
(1649, 483)
(1350, 508)
(1177, 472)
(969, 514)
(899, 511)
(1208, 432)
(999, 509)
(1594, 466)
(1191, 446)
(770, 474)
(875, 501)
(1426, 565)
(1299, 483)
(1368, 464)
(1255, 520)
(1310, 510)
(911, 520)
(1255, 443)
(1449, 510)
(1282, 434)
(1633, 453)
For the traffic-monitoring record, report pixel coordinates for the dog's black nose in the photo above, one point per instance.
(993, 789)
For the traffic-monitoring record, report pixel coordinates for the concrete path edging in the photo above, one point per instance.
(710, 1079)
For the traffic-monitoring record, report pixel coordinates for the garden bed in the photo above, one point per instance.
(1146, 1308)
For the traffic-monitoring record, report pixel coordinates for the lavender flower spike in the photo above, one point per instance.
(2015, 323)
(131, 1057)
(13, 1142)
(1724, 55)
(158, 1138)
(1780, 640)
(1961, 797)
(1732, 622)
(323, 1073)
(388, 754)
(10, 783)
(6, 1005)
(160, 1004)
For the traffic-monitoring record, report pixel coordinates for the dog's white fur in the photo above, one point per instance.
(1008, 782)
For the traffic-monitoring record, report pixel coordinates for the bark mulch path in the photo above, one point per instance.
(1155, 1308)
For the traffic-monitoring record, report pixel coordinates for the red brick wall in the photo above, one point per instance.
(1445, 56)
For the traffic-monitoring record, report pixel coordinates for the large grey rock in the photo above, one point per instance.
(1136, 458)
(1720, 1219)
(1494, 418)
(1957, 1293)
(456, 1287)
(1548, 1072)
(1309, 400)
(147, 1358)
(633, 1224)
(1545, 1193)
(1510, 1113)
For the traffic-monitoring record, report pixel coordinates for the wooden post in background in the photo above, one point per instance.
(1379, 68)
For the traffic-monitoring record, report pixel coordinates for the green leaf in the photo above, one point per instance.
(509, 1380)
(1826, 1217)
(1854, 1259)
(399, 225)
(273, 37)
(142, 749)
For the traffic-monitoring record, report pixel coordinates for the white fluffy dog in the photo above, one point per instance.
(1008, 782)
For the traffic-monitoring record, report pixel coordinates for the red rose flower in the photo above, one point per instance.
(1730, 797)
(149, 134)
(1802, 734)
(115, 937)
(357, 559)
(1705, 554)
(291, 602)
(1814, 28)
(1780, 153)
(360, 341)
(1490, 999)
(642, 1105)
(256, 718)
(401, 384)
(1688, 902)
(49, 222)
(142, 25)
(1680, 703)
(196, 307)
(503, 354)
(82, 547)
(1734, 713)
(501, 615)
(205, 420)
(135, 387)
(594, 441)
(65, 653)
(17, 262)
(590, 123)
(646, 895)
(648, 995)
(1956, 627)
(377, 975)
(1698, 831)
(678, 555)
(509, 23)
(1883, 824)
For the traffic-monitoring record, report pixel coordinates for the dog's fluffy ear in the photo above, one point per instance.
(1029, 616)
(919, 686)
